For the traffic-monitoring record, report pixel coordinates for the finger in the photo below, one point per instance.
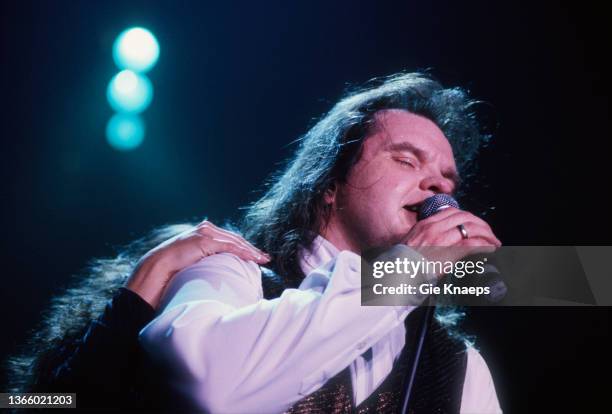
(478, 245)
(479, 230)
(464, 218)
(243, 242)
(229, 246)
(213, 245)
(456, 217)
(475, 231)
(471, 247)
(441, 215)
(209, 229)
(205, 227)
(230, 237)
(452, 215)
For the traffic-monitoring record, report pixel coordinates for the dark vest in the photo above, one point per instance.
(438, 383)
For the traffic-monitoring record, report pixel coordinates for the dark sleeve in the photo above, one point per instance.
(107, 356)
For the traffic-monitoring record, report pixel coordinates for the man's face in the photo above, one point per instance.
(404, 160)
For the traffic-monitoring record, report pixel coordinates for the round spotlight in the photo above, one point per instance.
(136, 49)
(129, 92)
(125, 132)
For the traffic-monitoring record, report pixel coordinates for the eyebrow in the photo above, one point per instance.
(423, 156)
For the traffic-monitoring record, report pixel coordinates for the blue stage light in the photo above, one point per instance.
(129, 92)
(136, 49)
(125, 132)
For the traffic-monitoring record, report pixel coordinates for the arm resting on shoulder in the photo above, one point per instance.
(233, 351)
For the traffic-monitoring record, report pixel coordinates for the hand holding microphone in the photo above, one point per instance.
(442, 224)
(444, 232)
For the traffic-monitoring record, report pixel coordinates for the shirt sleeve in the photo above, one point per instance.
(479, 396)
(102, 359)
(230, 350)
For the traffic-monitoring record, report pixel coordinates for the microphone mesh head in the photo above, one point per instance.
(436, 203)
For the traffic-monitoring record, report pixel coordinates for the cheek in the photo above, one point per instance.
(378, 202)
(367, 172)
(391, 189)
(378, 187)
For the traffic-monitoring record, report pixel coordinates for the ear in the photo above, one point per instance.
(330, 195)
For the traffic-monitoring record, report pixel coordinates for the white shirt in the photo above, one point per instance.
(235, 352)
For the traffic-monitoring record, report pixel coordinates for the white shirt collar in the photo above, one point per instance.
(321, 252)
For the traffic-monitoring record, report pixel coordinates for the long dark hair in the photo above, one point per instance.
(70, 312)
(292, 211)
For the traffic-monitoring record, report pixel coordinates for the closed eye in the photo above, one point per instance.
(406, 162)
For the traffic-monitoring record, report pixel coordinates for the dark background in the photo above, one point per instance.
(236, 84)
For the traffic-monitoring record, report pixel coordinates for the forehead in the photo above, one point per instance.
(395, 126)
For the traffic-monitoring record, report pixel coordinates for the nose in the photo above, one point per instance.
(437, 184)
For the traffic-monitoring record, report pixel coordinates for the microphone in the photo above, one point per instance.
(435, 204)
(492, 276)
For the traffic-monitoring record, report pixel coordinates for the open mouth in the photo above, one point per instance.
(412, 207)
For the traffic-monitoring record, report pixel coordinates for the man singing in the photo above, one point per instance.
(239, 338)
